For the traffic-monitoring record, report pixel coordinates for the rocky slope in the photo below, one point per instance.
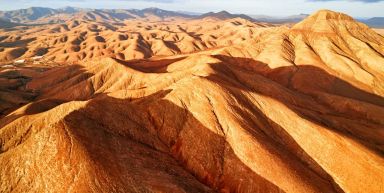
(287, 110)
(80, 39)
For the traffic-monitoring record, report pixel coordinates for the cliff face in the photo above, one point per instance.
(287, 110)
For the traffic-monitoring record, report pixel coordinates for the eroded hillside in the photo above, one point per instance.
(247, 109)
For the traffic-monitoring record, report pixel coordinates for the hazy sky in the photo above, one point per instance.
(356, 8)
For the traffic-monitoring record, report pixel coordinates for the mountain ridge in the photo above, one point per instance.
(33, 14)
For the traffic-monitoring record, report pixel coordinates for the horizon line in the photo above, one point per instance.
(191, 13)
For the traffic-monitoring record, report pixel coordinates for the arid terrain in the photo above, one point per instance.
(380, 31)
(162, 102)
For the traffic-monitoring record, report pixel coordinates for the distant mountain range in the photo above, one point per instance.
(35, 15)
(280, 20)
(224, 15)
(48, 15)
(377, 22)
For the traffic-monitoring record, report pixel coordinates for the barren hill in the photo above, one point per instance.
(81, 39)
(222, 15)
(206, 106)
(27, 15)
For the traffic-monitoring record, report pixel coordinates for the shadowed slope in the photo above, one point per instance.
(87, 157)
(217, 120)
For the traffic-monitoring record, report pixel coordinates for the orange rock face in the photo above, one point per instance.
(223, 106)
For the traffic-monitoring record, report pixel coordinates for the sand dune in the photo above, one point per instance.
(205, 106)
